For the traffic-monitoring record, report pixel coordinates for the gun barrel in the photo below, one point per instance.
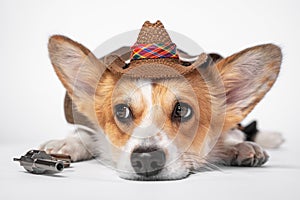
(56, 166)
(65, 158)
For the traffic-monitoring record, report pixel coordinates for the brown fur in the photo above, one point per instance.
(248, 76)
(221, 95)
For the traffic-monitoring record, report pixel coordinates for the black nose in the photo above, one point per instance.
(148, 161)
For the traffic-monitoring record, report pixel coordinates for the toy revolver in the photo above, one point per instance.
(39, 162)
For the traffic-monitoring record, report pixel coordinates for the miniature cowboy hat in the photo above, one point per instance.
(153, 56)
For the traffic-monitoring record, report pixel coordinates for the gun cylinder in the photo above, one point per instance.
(56, 166)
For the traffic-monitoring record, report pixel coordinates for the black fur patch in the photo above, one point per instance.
(250, 130)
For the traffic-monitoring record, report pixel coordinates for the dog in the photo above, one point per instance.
(158, 116)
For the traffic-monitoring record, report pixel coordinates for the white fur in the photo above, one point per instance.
(82, 144)
(234, 137)
(146, 128)
(148, 134)
(265, 139)
(173, 169)
(146, 88)
(74, 145)
(268, 139)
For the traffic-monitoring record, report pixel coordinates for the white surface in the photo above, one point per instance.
(32, 97)
(278, 179)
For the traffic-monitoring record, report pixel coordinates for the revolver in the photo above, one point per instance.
(39, 162)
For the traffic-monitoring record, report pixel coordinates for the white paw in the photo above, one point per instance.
(249, 154)
(70, 146)
(234, 136)
(268, 139)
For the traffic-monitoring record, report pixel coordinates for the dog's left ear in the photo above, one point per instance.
(247, 77)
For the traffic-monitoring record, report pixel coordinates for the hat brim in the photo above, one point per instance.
(154, 68)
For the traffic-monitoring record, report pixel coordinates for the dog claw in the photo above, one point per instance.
(249, 154)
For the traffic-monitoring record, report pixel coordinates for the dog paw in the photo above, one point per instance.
(69, 146)
(249, 154)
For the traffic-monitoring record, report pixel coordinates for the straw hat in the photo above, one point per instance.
(154, 56)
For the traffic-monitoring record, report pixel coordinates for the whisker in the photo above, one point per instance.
(215, 167)
(199, 164)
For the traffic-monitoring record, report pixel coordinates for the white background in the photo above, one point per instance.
(32, 96)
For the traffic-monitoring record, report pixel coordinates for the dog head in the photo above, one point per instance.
(162, 129)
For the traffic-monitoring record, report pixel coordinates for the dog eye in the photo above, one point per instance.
(182, 112)
(123, 112)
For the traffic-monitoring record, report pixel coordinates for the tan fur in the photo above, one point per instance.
(242, 83)
(107, 95)
(78, 70)
(221, 95)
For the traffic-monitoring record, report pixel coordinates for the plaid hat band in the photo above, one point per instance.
(160, 50)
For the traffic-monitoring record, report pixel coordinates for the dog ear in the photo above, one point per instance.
(77, 68)
(247, 76)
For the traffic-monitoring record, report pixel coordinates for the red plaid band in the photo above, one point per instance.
(161, 50)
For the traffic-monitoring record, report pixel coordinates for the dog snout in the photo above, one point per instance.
(148, 161)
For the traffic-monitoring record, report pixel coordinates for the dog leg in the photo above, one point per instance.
(265, 139)
(248, 154)
(269, 139)
(76, 145)
(236, 152)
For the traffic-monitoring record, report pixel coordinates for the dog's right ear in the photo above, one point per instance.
(77, 68)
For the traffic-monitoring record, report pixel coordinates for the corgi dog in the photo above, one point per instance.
(159, 117)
